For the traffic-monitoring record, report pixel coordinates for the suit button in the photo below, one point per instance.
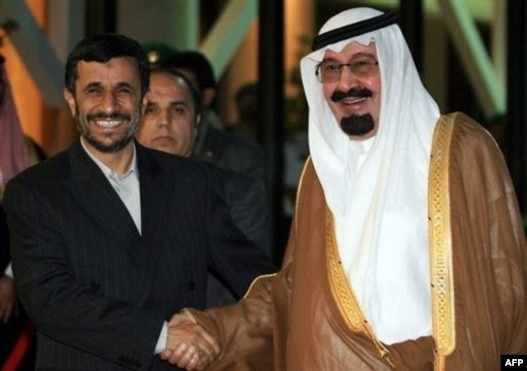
(192, 285)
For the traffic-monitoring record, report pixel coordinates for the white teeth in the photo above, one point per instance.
(108, 124)
(354, 100)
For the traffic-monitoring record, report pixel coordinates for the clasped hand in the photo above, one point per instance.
(189, 346)
(8, 299)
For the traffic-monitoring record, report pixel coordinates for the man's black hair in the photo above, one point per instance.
(103, 47)
(195, 62)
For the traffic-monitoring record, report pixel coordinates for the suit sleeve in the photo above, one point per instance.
(235, 258)
(248, 204)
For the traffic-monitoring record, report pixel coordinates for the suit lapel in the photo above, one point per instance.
(156, 189)
(96, 196)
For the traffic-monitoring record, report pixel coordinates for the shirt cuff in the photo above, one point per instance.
(162, 341)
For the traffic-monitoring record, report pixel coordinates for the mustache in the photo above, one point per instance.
(353, 92)
(110, 116)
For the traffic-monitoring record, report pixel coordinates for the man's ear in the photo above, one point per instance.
(207, 97)
(70, 99)
(144, 102)
(197, 123)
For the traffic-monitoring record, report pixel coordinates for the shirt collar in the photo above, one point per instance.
(108, 172)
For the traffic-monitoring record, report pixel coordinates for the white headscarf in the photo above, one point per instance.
(377, 189)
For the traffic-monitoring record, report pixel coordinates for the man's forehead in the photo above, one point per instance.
(166, 81)
(114, 72)
(351, 50)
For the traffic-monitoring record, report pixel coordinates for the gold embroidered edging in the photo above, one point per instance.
(346, 301)
(256, 280)
(441, 266)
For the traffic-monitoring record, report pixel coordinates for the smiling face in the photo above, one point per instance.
(170, 120)
(106, 103)
(355, 100)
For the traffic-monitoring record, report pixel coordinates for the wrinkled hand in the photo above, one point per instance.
(8, 299)
(189, 346)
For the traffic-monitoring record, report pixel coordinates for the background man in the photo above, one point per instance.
(213, 144)
(170, 123)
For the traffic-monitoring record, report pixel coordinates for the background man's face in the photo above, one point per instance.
(169, 121)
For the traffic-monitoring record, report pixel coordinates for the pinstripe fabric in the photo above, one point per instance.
(98, 291)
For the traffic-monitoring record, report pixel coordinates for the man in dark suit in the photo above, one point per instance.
(9, 327)
(17, 346)
(109, 239)
(213, 143)
(170, 124)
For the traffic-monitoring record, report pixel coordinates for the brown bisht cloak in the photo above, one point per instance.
(306, 317)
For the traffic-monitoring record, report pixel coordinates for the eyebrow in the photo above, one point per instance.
(98, 84)
(172, 103)
(125, 85)
(179, 103)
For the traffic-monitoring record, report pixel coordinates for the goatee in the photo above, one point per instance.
(115, 143)
(357, 125)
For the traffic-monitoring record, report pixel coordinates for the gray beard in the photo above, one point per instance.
(114, 147)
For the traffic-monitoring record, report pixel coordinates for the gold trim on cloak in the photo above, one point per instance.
(443, 316)
(441, 264)
(346, 301)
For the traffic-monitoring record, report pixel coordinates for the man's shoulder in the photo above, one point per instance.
(225, 140)
(172, 165)
(46, 170)
(234, 181)
(465, 128)
(462, 121)
(468, 143)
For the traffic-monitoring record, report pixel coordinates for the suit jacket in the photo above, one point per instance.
(11, 330)
(230, 151)
(247, 201)
(97, 290)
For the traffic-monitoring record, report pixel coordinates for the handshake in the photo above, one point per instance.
(189, 346)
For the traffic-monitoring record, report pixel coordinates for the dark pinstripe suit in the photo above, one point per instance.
(99, 291)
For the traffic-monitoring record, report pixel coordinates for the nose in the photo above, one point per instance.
(164, 118)
(347, 78)
(109, 103)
